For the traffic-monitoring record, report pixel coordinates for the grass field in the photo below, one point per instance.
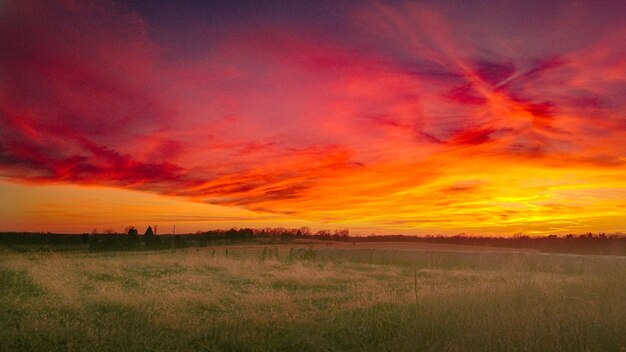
(312, 297)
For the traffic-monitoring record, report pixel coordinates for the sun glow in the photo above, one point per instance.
(414, 120)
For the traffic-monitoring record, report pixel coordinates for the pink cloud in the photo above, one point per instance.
(273, 117)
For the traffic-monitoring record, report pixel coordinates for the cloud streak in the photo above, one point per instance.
(412, 119)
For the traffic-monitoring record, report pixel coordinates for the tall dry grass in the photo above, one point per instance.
(266, 299)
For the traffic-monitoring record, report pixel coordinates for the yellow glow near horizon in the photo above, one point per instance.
(76, 209)
(487, 200)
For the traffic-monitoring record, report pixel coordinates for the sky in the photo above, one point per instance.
(387, 117)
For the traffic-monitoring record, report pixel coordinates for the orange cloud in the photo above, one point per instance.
(415, 120)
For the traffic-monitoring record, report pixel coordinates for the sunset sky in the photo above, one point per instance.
(426, 117)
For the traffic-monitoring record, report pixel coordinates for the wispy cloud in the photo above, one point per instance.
(414, 117)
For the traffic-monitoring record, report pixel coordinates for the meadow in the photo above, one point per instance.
(312, 297)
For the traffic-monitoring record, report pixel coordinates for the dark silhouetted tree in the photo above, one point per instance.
(149, 237)
(131, 230)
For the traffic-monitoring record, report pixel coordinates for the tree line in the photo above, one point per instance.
(133, 239)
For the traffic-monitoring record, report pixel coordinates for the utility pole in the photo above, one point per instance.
(173, 236)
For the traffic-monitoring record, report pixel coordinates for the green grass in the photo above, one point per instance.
(316, 299)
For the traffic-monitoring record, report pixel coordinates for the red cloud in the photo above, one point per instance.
(285, 120)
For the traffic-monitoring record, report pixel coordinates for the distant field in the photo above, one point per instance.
(415, 246)
(314, 296)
